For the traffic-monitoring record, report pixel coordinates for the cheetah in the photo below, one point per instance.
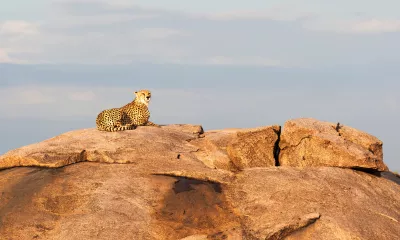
(128, 117)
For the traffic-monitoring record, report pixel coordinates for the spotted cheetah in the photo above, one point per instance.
(133, 114)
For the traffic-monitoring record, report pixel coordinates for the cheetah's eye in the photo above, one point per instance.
(148, 97)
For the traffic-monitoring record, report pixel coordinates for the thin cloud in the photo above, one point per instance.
(270, 14)
(121, 3)
(243, 61)
(376, 26)
(28, 95)
(159, 33)
(82, 96)
(18, 27)
(365, 26)
(58, 101)
(4, 58)
(93, 21)
(94, 32)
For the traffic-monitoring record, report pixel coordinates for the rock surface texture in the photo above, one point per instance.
(309, 142)
(313, 180)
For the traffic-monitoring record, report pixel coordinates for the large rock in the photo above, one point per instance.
(315, 203)
(228, 149)
(212, 148)
(309, 142)
(108, 147)
(108, 201)
(254, 148)
(121, 201)
(237, 149)
(176, 182)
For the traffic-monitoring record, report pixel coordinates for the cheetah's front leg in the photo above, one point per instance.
(121, 127)
(118, 124)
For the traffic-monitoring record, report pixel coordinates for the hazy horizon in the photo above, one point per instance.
(220, 64)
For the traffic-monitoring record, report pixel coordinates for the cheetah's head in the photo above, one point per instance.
(143, 96)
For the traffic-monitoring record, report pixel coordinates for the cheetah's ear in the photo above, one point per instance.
(136, 92)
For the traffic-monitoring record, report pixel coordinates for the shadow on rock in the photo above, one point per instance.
(197, 207)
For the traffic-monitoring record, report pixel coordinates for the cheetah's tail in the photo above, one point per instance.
(117, 129)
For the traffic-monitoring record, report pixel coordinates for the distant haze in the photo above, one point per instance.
(221, 64)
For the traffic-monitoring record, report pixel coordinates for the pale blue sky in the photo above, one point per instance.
(383, 8)
(339, 9)
(218, 63)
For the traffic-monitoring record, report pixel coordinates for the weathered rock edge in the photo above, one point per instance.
(302, 142)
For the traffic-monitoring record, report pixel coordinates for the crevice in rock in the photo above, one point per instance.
(276, 146)
(233, 168)
(370, 150)
(191, 180)
(195, 151)
(282, 231)
(298, 144)
(374, 148)
(52, 161)
(39, 167)
(368, 170)
(191, 139)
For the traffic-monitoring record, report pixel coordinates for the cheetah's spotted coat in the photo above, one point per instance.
(133, 114)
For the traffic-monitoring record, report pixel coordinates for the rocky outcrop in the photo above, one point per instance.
(237, 149)
(178, 182)
(308, 142)
(315, 203)
(97, 146)
(254, 147)
(303, 143)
